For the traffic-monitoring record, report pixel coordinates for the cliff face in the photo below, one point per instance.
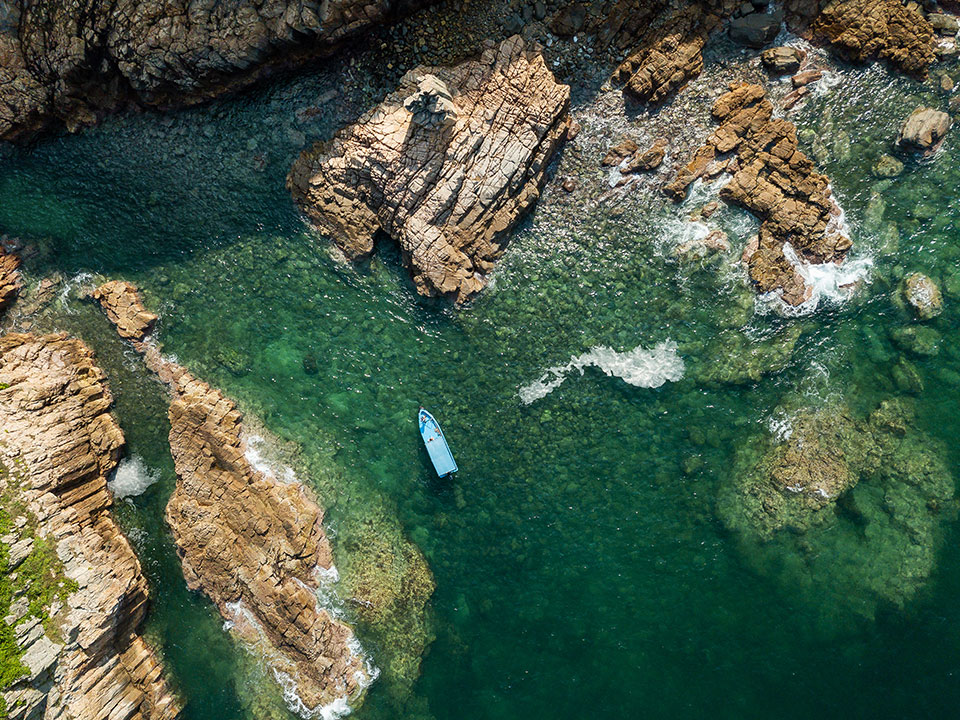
(63, 62)
(252, 543)
(59, 445)
(446, 165)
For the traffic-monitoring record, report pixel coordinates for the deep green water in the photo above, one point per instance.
(580, 563)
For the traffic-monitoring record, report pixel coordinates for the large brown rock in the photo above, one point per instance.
(60, 444)
(121, 302)
(65, 61)
(9, 278)
(446, 177)
(252, 543)
(924, 130)
(776, 182)
(870, 29)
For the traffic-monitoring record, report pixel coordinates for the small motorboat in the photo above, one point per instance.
(436, 445)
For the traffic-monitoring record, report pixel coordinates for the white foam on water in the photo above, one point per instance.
(132, 478)
(639, 367)
(68, 287)
(259, 463)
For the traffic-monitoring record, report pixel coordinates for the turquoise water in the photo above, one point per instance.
(580, 561)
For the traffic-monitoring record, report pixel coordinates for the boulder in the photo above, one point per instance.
(448, 193)
(887, 166)
(757, 29)
(648, 159)
(121, 302)
(9, 278)
(569, 20)
(924, 130)
(944, 24)
(923, 296)
(806, 77)
(783, 59)
(619, 152)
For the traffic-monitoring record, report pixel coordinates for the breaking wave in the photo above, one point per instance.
(132, 478)
(639, 367)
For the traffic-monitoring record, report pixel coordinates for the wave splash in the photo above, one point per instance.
(639, 367)
(132, 478)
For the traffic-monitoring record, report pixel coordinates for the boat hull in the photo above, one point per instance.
(436, 444)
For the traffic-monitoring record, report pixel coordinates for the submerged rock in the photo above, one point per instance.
(121, 302)
(59, 445)
(756, 29)
(64, 62)
(776, 182)
(923, 296)
(9, 278)
(887, 166)
(448, 194)
(924, 130)
(850, 508)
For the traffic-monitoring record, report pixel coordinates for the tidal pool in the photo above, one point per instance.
(581, 566)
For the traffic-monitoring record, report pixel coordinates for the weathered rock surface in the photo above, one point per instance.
(924, 130)
(9, 278)
(783, 59)
(776, 182)
(923, 295)
(870, 29)
(254, 544)
(448, 193)
(60, 444)
(66, 61)
(121, 302)
(670, 55)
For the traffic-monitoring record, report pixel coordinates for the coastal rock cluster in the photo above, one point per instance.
(775, 181)
(252, 543)
(446, 165)
(59, 444)
(121, 302)
(858, 501)
(65, 62)
(9, 277)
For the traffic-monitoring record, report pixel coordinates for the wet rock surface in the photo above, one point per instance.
(63, 62)
(782, 59)
(775, 181)
(252, 543)
(448, 193)
(59, 445)
(923, 296)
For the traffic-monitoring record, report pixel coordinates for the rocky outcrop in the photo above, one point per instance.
(924, 130)
(869, 29)
(121, 302)
(832, 501)
(254, 544)
(783, 59)
(756, 29)
(775, 181)
(65, 62)
(448, 191)
(669, 55)
(9, 278)
(59, 444)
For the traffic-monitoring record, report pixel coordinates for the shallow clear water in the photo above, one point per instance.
(580, 563)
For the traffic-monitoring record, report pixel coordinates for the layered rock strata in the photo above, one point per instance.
(776, 182)
(254, 544)
(9, 278)
(59, 444)
(65, 62)
(446, 165)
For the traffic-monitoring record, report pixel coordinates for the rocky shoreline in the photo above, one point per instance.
(82, 654)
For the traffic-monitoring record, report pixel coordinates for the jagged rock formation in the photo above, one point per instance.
(869, 29)
(252, 543)
(9, 278)
(121, 302)
(850, 507)
(64, 62)
(59, 445)
(775, 181)
(669, 55)
(448, 192)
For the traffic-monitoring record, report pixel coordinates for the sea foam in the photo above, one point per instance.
(639, 367)
(132, 478)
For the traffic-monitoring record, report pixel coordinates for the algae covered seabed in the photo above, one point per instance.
(587, 558)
